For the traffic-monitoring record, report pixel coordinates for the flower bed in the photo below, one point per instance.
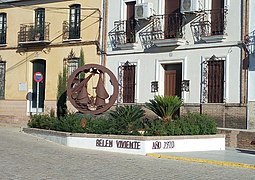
(133, 144)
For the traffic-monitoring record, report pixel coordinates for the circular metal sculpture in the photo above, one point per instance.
(85, 96)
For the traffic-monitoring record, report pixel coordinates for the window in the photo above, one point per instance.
(39, 24)
(213, 80)
(75, 21)
(71, 63)
(2, 28)
(2, 78)
(127, 73)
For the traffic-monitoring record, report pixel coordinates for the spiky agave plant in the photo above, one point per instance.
(164, 106)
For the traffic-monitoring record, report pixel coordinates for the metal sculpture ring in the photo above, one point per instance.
(86, 97)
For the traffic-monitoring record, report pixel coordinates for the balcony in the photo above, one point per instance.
(249, 41)
(163, 31)
(31, 34)
(71, 32)
(210, 26)
(123, 35)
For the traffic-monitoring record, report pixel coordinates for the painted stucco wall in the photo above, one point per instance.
(19, 65)
(251, 78)
(149, 68)
(149, 65)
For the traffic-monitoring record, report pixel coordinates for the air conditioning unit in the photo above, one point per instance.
(143, 10)
(192, 6)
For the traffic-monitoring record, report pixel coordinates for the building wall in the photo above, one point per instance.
(231, 113)
(19, 60)
(191, 61)
(117, 11)
(236, 138)
(251, 72)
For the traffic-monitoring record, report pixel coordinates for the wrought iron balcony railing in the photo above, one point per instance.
(31, 33)
(71, 31)
(123, 32)
(169, 26)
(209, 23)
(249, 41)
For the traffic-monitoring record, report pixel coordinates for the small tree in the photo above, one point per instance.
(61, 94)
(164, 106)
(81, 63)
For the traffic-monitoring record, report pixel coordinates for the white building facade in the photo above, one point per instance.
(251, 73)
(192, 49)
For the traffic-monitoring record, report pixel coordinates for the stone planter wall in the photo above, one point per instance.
(133, 144)
(239, 138)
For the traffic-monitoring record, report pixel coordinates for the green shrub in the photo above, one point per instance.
(164, 106)
(199, 123)
(155, 128)
(127, 119)
(70, 123)
(192, 124)
(42, 121)
(101, 126)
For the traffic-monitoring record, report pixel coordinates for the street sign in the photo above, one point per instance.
(38, 77)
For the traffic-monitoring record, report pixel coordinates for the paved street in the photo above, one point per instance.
(23, 156)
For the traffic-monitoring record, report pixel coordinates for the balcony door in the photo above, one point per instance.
(3, 28)
(75, 21)
(130, 23)
(172, 19)
(217, 23)
(39, 24)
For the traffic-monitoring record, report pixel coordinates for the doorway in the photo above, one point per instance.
(172, 80)
(39, 65)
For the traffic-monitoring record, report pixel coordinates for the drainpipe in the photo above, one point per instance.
(245, 54)
(103, 32)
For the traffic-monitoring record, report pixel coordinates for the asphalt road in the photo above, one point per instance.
(23, 156)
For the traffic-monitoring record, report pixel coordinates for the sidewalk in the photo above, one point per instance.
(229, 157)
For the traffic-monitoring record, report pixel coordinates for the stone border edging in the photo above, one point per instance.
(132, 144)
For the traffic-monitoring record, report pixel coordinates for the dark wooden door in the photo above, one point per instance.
(129, 84)
(130, 23)
(171, 18)
(170, 83)
(217, 17)
(173, 78)
(215, 81)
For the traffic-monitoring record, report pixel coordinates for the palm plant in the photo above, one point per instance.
(127, 118)
(164, 106)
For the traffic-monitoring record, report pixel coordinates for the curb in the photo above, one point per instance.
(207, 161)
